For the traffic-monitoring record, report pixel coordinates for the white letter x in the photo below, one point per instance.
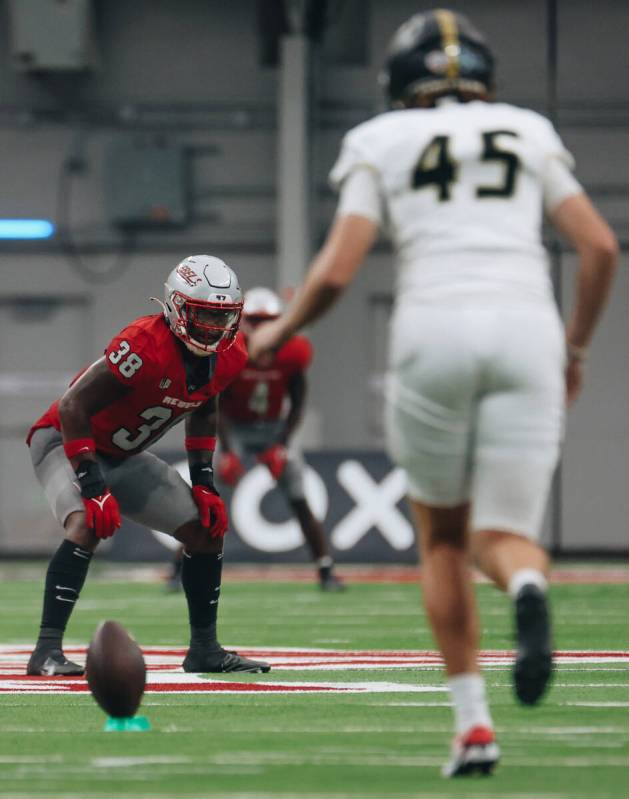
(375, 507)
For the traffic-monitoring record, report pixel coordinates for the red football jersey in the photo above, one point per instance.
(147, 357)
(258, 393)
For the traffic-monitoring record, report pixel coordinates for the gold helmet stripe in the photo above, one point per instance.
(449, 40)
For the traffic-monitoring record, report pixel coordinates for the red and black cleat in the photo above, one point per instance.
(476, 752)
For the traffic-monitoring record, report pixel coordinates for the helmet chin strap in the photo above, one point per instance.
(197, 350)
(155, 299)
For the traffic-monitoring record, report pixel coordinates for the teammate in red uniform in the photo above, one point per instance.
(88, 454)
(254, 423)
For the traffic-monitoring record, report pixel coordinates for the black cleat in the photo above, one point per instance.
(330, 582)
(475, 753)
(534, 660)
(173, 581)
(219, 660)
(52, 663)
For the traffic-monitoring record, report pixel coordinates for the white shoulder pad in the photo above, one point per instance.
(359, 149)
(549, 140)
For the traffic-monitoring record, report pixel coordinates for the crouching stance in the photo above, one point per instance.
(88, 451)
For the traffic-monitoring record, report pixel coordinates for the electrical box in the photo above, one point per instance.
(145, 183)
(52, 35)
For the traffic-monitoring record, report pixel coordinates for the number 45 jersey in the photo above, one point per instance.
(461, 188)
(147, 358)
(258, 393)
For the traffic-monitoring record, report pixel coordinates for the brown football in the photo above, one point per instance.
(115, 670)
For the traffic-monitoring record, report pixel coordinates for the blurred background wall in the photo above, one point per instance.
(153, 129)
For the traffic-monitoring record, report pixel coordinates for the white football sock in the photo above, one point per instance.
(524, 577)
(469, 702)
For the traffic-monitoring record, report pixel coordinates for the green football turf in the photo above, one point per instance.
(576, 744)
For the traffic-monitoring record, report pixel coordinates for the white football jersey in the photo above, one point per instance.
(463, 187)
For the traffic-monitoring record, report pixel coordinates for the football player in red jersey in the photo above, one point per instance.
(254, 424)
(88, 451)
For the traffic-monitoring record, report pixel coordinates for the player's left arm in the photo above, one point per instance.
(333, 269)
(201, 427)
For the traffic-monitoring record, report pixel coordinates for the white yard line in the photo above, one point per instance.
(418, 794)
(18, 759)
(164, 673)
(129, 762)
(595, 704)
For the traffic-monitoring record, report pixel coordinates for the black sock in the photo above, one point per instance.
(201, 580)
(64, 579)
(325, 566)
(175, 573)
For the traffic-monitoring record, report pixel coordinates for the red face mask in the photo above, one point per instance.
(208, 327)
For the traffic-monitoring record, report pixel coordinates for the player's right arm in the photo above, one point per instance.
(330, 273)
(94, 390)
(353, 233)
(579, 221)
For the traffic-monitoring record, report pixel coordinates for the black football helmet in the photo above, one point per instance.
(435, 53)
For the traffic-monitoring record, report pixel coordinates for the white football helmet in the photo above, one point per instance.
(203, 304)
(262, 303)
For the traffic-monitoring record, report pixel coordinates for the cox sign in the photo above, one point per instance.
(357, 495)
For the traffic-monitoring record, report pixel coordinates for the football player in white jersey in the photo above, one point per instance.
(480, 364)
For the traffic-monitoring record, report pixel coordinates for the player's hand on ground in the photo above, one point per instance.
(274, 458)
(574, 380)
(267, 338)
(212, 511)
(230, 468)
(102, 514)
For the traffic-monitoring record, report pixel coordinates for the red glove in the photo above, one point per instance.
(102, 514)
(274, 458)
(212, 511)
(230, 468)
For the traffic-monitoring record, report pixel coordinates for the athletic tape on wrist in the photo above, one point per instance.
(202, 474)
(79, 446)
(200, 442)
(91, 481)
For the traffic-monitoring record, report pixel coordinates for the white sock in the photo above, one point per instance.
(469, 701)
(526, 577)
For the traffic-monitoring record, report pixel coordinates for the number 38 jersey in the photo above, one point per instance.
(461, 188)
(258, 392)
(147, 358)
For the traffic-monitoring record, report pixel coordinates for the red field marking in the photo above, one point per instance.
(46, 685)
(164, 673)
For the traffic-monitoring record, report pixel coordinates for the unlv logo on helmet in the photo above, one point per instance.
(189, 275)
(206, 322)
